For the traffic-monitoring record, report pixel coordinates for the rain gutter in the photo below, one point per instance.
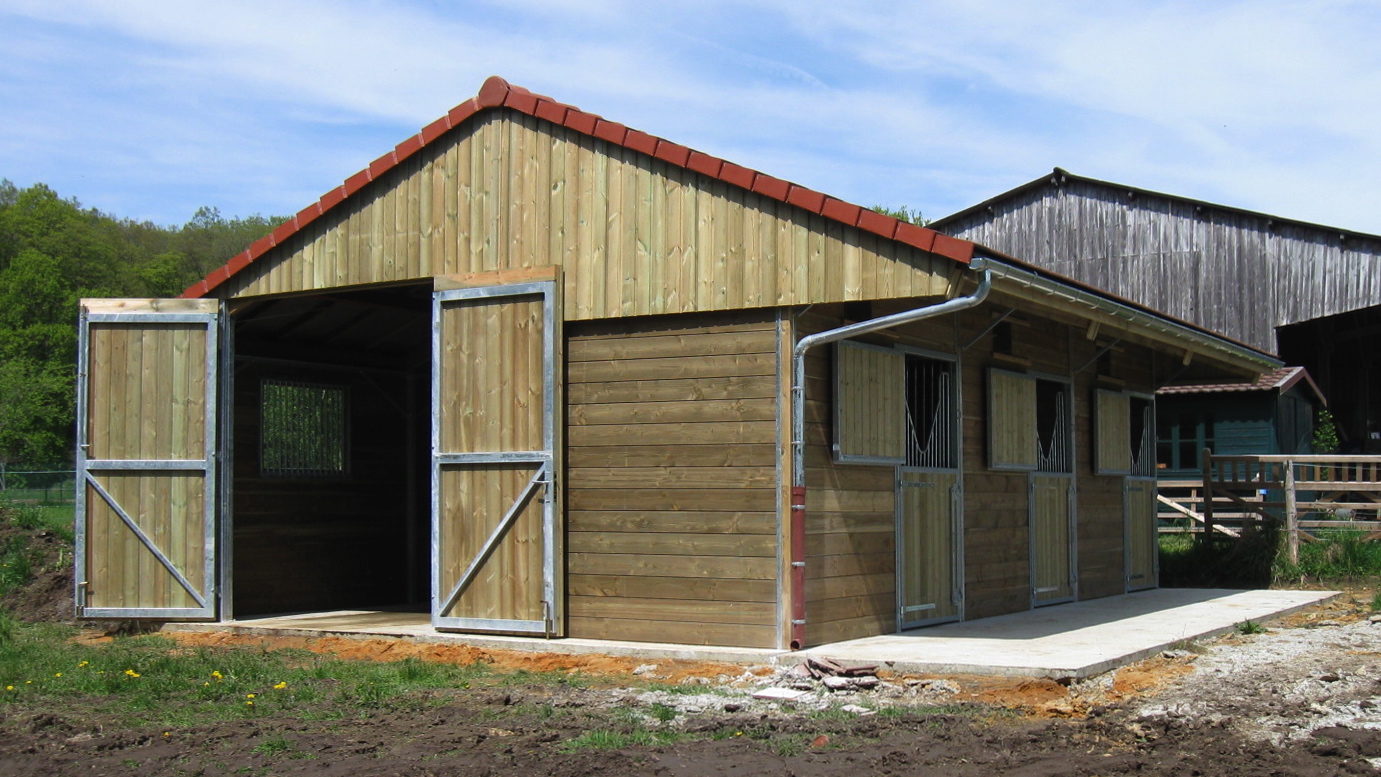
(798, 424)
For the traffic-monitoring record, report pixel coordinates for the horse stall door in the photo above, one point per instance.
(1052, 545)
(927, 545)
(146, 459)
(495, 530)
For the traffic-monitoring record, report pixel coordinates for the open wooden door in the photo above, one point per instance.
(146, 458)
(495, 517)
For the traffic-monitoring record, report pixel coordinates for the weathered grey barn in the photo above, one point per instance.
(536, 372)
(1309, 293)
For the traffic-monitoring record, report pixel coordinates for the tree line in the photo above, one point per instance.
(54, 252)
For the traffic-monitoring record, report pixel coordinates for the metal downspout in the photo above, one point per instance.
(798, 425)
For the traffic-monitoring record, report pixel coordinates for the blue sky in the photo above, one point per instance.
(149, 109)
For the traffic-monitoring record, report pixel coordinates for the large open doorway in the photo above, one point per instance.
(330, 446)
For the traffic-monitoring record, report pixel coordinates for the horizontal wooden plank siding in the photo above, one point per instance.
(671, 480)
(635, 235)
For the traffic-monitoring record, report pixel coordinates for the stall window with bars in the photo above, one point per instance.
(1143, 423)
(1053, 427)
(304, 429)
(931, 429)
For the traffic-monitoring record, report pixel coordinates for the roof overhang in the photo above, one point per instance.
(1012, 275)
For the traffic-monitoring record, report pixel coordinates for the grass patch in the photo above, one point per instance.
(150, 680)
(604, 739)
(1339, 554)
(1250, 627)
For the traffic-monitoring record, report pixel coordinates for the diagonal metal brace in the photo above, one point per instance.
(539, 479)
(146, 541)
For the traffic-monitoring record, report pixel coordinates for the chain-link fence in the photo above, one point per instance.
(27, 485)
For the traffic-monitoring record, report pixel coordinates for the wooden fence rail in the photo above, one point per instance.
(1250, 490)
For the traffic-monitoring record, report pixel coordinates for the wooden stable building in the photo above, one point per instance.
(538, 373)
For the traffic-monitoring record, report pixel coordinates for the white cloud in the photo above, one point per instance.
(935, 104)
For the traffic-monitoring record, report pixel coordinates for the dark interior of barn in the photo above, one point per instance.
(330, 500)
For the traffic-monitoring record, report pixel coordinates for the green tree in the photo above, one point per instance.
(904, 213)
(53, 252)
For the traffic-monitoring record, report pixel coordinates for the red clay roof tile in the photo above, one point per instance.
(611, 131)
(641, 142)
(877, 223)
(840, 211)
(705, 164)
(581, 121)
(549, 110)
(809, 199)
(497, 92)
(769, 186)
(674, 153)
(737, 175)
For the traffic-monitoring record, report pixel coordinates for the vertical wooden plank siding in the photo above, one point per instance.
(492, 399)
(148, 401)
(671, 480)
(1255, 272)
(635, 235)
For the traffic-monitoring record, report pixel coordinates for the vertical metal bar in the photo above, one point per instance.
(211, 444)
(957, 449)
(436, 507)
(549, 411)
(226, 445)
(82, 453)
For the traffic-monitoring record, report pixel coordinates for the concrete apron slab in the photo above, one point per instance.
(1075, 640)
(1067, 640)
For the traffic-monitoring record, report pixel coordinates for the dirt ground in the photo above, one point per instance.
(1304, 698)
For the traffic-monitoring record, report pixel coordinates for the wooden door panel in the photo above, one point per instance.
(929, 587)
(1052, 573)
(496, 534)
(147, 410)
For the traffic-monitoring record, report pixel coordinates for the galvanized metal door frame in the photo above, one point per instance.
(207, 466)
(957, 591)
(544, 478)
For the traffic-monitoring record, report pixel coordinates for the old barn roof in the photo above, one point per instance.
(498, 93)
(1280, 380)
(1059, 177)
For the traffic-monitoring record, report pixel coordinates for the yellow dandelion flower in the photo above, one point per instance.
(9, 687)
(217, 674)
(249, 704)
(83, 664)
(250, 695)
(281, 686)
(59, 674)
(132, 673)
